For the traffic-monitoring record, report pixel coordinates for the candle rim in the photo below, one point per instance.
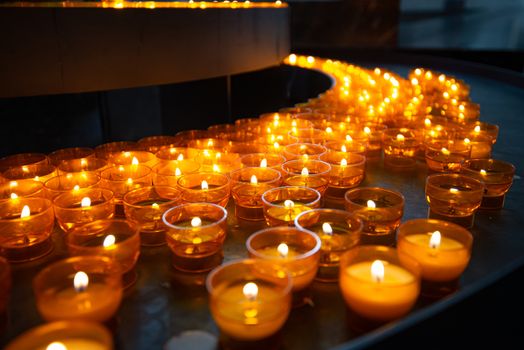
(207, 177)
(454, 178)
(185, 205)
(252, 169)
(152, 188)
(82, 193)
(468, 166)
(305, 163)
(85, 230)
(304, 188)
(263, 155)
(51, 186)
(144, 172)
(346, 214)
(348, 198)
(432, 225)
(383, 282)
(322, 148)
(22, 201)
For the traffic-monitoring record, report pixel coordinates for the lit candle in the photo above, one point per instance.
(283, 204)
(205, 187)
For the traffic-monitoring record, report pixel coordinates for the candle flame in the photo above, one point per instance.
(477, 128)
(210, 143)
(467, 141)
(83, 162)
(288, 203)
(326, 228)
(76, 188)
(155, 206)
(263, 163)
(483, 172)
(283, 250)
(25, 212)
(453, 190)
(367, 130)
(434, 241)
(445, 151)
(178, 172)
(80, 281)
(427, 122)
(120, 168)
(414, 81)
(310, 59)
(400, 138)
(441, 78)
(348, 139)
(14, 196)
(418, 71)
(254, 180)
(196, 222)
(204, 185)
(377, 271)
(56, 345)
(13, 184)
(129, 181)
(343, 148)
(250, 291)
(343, 162)
(180, 157)
(329, 130)
(134, 161)
(276, 145)
(25, 169)
(371, 204)
(292, 58)
(216, 169)
(86, 202)
(304, 172)
(109, 241)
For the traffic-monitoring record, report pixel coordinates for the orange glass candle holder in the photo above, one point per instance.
(218, 162)
(247, 187)
(105, 150)
(21, 188)
(446, 156)
(205, 187)
(249, 299)
(144, 208)
(21, 159)
(60, 155)
(87, 165)
(70, 182)
(378, 285)
(348, 145)
(263, 160)
(338, 231)
(303, 151)
(283, 204)
(380, 211)
(133, 157)
(296, 251)
(481, 144)
(26, 225)
(115, 239)
(124, 178)
(347, 171)
(77, 208)
(39, 172)
(454, 198)
(482, 127)
(372, 135)
(309, 135)
(5, 284)
(400, 147)
(441, 248)
(166, 155)
(69, 334)
(168, 173)
(195, 235)
(154, 144)
(308, 173)
(85, 288)
(497, 177)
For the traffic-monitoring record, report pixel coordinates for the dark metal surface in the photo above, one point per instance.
(164, 303)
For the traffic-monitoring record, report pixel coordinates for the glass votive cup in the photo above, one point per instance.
(481, 144)
(247, 147)
(60, 155)
(115, 239)
(218, 162)
(166, 155)
(133, 157)
(249, 299)
(185, 136)
(154, 144)
(21, 159)
(446, 156)
(26, 225)
(309, 135)
(294, 250)
(209, 144)
(378, 285)
(205, 187)
(168, 173)
(21, 188)
(77, 208)
(283, 204)
(482, 127)
(453, 197)
(247, 187)
(83, 165)
(338, 231)
(347, 171)
(5, 284)
(441, 248)
(70, 182)
(85, 288)
(195, 234)
(372, 135)
(144, 208)
(263, 160)
(380, 211)
(124, 178)
(497, 176)
(400, 147)
(71, 334)
(39, 172)
(308, 173)
(347, 146)
(105, 150)
(303, 151)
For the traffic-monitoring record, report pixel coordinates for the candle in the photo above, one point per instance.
(303, 151)
(308, 173)
(82, 165)
(70, 182)
(283, 204)
(247, 187)
(347, 171)
(380, 211)
(114, 239)
(123, 178)
(166, 155)
(68, 335)
(205, 187)
(372, 135)
(376, 284)
(79, 288)
(40, 172)
(79, 207)
(446, 156)
(60, 155)
(481, 145)
(30, 160)
(497, 176)
(297, 251)
(308, 135)
(453, 197)
(400, 147)
(21, 188)
(249, 300)
(168, 173)
(144, 208)
(338, 231)
(195, 234)
(154, 144)
(348, 146)
(263, 160)
(133, 158)
(441, 248)
(105, 150)
(26, 225)
(218, 161)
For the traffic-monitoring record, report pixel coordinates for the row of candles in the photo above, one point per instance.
(286, 168)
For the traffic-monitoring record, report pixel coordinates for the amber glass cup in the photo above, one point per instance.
(401, 147)
(347, 171)
(70, 182)
(124, 178)
(21, 188)
(60, 155)
(19, 160)
(304, 151)
(283, 204)
(41, 172)
(308, 173)
(205, 187)
(87, 165)
(154, 144)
